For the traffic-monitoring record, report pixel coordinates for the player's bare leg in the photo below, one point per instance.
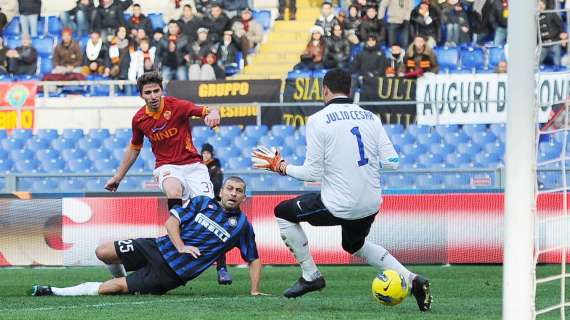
(173, 191)
(113, 286)
(107, 254)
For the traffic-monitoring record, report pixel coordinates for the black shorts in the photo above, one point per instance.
(310, 208)
(151, 273)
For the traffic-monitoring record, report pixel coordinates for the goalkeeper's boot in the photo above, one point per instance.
(422, 293)
(39, 290)
(303, 286)
(224, 276)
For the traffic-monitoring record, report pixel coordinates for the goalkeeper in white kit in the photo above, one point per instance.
(346, 148)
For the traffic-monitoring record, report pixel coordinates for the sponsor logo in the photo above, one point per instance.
(223, 89)
(212, 226)
(157, 129)
(159, 136)
(167, 114)
(232, 221)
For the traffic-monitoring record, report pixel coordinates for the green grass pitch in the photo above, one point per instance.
(460, 292)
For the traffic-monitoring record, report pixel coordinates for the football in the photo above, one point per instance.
(390, 288)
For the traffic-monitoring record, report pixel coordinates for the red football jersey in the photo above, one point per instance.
(168, 130)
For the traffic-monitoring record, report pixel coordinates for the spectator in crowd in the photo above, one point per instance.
(202, 7)
(337, 52)
(95, 55)
(362, 5)
(372, 25)
(216, 23)
(501, 67)
(136, 40)
(247, 32)
(226, 54)
(498, 20)
(201, 57)
(189, 23)
(142, 60)
(158, 41)
(233, 7)
(29, 13)
(172, 55)
(477, 28)
(119, 59)
(214, 168)
(139, 21)
(109, 16)
(456, 23)
(371, 62)
(395, 61)
(419, 59)
(23, 59)
(398, 19)
(80, 18)
(351, 25)
(3, 21)
(551, 31)
(3, 57)
(425, 22)
(327, 19)
(67, 56)
(312, 56)
(292, 9)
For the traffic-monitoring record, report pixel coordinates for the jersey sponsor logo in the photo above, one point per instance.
(155, 137)
(167, 114)
(232, 221)
(348, 115)
(157, 129)
(212, 226)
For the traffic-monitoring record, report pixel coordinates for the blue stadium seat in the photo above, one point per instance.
(429, 181)
(428, 138)
(295, 141)
(546, 157)
(69, 154)
(413, 149)
(263, 17)
(6, 165)
(146, 154)
(457, 181)
(458, 160)
(218, 142)
(496, 148)
(130, 184)
(355, 50)
(472, 58)
(447, 57)
(498, 129)
(12, 144)
(113, 143)
(300, 151)
(44, 45)
(429, 160)
(12, 28)
(71, 185)
(393, 129)
(55, 27)
(83, 42)
(98, 154)
(417, 129)
(470, 129)
(73, 134)
(119, 153)
(46, 65)
(441, 148)
(239, 163)
(485, 160)
(87, 144)
(202, 131)
(229, 131)
(225, 153)
(289, 184)
(47, 134)
(444, 130)
(244, 142)
(483, 137)
(106, 165)
(3, 134)
(149, 165)
(21, 155)
(53, 165)
(281, 130)
(301, 131)
(137, 167)
(550, 180)
(45, 154)
(156, 20)
(94, 185)
(271, 141)
(13, 42)
(79, 165)
(402, 139)
(401, 181)
(22, 134)
(99, 134)
(553, 148)
(263, 182)
(27, 166)
(496, 55)
(255, 132)
(44, 186)
(294, 74)
(285, 151)
(456, 138)
(468, 149)
(36, 144)
(126, 133)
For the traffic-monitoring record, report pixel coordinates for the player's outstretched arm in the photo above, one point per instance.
(130, 157)
(173, 230)
(255, 276)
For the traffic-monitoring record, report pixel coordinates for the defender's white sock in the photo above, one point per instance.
(84, 289)
(378, 257)
(117, 270)
(296, 240)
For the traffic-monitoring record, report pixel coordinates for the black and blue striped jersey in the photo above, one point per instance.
(206, 225)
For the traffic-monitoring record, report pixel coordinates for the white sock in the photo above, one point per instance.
(378, 257)
(296, 240)
(84, 289)
(117, 270)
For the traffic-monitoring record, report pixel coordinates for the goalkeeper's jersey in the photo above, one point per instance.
(346, 148)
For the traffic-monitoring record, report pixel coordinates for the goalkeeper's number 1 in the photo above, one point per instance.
(363, 160)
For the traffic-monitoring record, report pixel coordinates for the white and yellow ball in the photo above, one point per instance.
(390, 288)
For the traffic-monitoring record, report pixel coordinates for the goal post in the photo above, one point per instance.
(520, 161)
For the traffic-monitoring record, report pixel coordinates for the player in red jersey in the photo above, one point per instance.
(178, 168)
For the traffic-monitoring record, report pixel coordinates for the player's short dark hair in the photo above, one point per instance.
(338, 81)
(326, 3)
(236, 179)
(149, 77)
(136, 5)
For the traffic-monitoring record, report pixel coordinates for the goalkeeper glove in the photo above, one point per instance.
(268, 159)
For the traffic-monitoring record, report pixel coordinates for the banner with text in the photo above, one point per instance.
(480, 98)
(17, 102)
(221, 91)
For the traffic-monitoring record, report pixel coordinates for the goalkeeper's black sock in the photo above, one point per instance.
(174, 202)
